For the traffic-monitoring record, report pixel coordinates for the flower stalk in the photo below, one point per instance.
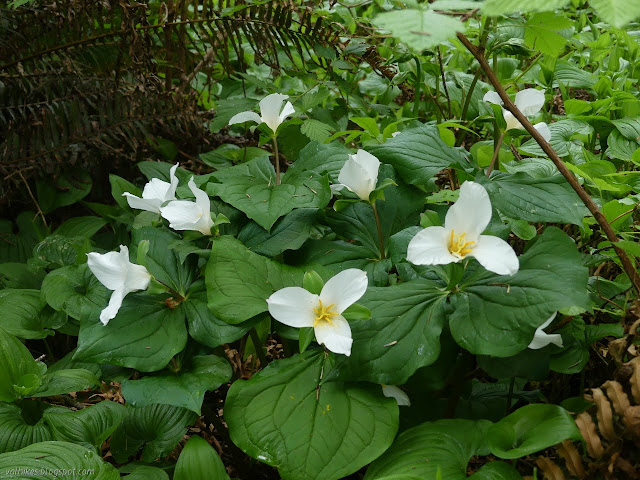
(277, 158)
(379, 227)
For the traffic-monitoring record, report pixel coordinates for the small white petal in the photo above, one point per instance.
(369, 163)
(138, 278)
(156, 189)
(245, 117)
(471, 213)
(171, 193)
(492, 97)
(293, 306)
(529, 101)
(182, 214)
(344, 289)
(286, 111)
(395, 134)
(355, 176)
(109, 268)
(111, 310)
(150, 205)
(512, 122)
(430, 247)
(543, 129)
(496, 255)
(270, 107)
(204, 224)
(336, 336)
(336, 187)
(548, 321)
(542, 339)
(391, 391)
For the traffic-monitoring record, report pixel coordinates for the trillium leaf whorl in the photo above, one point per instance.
(297, 307)
(461, 236)
(117, 273)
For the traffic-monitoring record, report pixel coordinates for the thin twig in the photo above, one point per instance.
(496, 154)
(627, 264)
(40, 212)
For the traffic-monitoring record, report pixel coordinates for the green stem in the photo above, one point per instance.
(257, 345)
(512, 384)
(52, 357)
(380, 237)
(275, 150)
(495, 163)
(416, 95)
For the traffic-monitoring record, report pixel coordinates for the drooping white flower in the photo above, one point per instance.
(401, 397)
(529, 101)
(297, 307)
(117, 273)
(359, 174)
(461, 236)
(270, 112)
(186, 215)
(542, 339)
(156, 192)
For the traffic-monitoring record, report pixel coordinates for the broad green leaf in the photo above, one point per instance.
(185, 388)
(21, 314)
(288, 233)
(199, 461)
(227, 108)
(567, 138)
(502, 7)
(18, 247)
(319, 158)
(283, 417)
(75, 290)
(57, 251)
(119, 186)
(616, 12)
(144, 472)
(80, 227)
(497, 315)
(418, 154)
(89, 427)
(65, 381)
(21, 426)
(156, 429)
(66, 189)
(402, 335)
(541, 29)
(19, 372)
(144, 335)
(522, 197)
(251, 188)
(448, 445)
(19, 275)
(79, 462)
(531, 429)
(571, 75)
(496, 471)
(240, 281)
(419, 29)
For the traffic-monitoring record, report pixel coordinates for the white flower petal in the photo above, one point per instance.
(492, 97)
(471, 213)
(542, 339)
(182, 214)
(391, 391)
(171, 193)
(344, 289)
(336, 336)
(548, 321)
(430, 247)
(336, 187)
(529, 101)
(110, 268)
(111, 310)
(543, 129)
(150, 205)
(156, 189)
(245, 117)
(496, 255)
(369, 163)
(204, 224)
(353, 176)
(286, 111)
(138, 278)
(293, 306)
(511, 121)
(270, 107)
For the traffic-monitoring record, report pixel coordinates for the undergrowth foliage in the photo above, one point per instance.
(363, 240)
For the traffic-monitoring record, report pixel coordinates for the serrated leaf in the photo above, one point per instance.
(541, 32)
(316, 130)
(616, 12)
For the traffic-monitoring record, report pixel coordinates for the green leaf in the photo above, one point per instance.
(531, 429)
(283, 418)
(318, 158)
(316, 130)
(89, 427)
(199, 461)
(501, 7)
(79, 462)
(239, 281)
(540, 32)
(21, 314)
(75, 290)
(57, 251)
(549, 199)
(156, 429)
(144, 472)
(497, 315)
(119, 186)
(80, 227)
(23, 425)
(65, 381)
(66, 189)
(20, 276)
(19, 372)
(145, 335)
(616, 12)
(289, 233)
(448, 445)
(185, 388)
(18, 247)
(567, 138)
(225, 109)
(419, 29)
(522, 229)
(251, 188)
(402, 335)
(418, 154)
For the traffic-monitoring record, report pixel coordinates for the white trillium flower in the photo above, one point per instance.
(542, 339)
(359, 174)
(186, 215)
(270, 112)
(297, 307)
(461, 236)
(156, 192)
(117, 273)
(401, 397)
(529, 101)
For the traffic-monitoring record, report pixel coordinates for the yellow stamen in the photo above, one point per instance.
(324, 314)
(458, 247)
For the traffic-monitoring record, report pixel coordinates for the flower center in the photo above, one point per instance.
(458, 247)
(324, 314)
